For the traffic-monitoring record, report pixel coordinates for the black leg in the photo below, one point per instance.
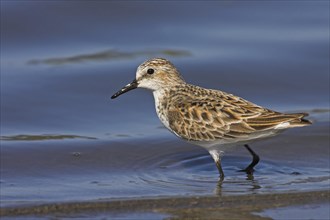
(222, 175)
(249, 169)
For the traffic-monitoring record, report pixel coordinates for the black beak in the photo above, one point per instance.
(128, 87)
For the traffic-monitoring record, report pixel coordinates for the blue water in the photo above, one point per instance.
(318, 211)
(63, 138)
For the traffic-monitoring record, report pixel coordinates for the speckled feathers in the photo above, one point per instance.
(209, 118)
(198, 114)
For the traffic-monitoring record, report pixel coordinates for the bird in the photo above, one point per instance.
(212, 119)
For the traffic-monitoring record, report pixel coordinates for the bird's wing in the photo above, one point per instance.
(224, 118)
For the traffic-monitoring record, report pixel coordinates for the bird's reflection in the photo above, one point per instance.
(225, 185)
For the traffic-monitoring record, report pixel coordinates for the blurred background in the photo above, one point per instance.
(61, 61)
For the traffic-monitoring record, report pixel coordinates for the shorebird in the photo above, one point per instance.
(212, 119)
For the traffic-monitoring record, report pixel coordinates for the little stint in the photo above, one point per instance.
(212, 119)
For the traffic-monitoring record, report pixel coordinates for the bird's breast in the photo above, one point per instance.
(161, 108)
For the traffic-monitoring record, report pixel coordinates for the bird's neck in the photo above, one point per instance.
(161, 104)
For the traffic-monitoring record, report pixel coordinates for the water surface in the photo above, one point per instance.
(64, 140)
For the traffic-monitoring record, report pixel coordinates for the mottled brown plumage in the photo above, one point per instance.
(213, 114)
(209, 118)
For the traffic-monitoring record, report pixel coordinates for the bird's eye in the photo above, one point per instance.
(150, 71)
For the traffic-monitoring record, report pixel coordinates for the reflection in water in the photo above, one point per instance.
(196, 173)
(249, 185)
(249, 181)
(246, 49)
(133, 167)
(107, 55)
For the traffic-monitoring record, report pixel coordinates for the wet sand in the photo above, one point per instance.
(205, 207)
(51, 175)
(67, 150)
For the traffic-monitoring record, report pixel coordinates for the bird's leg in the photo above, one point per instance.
(222, 175)
(216, 155)
(255, 160)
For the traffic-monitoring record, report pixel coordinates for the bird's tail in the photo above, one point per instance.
(299, 120)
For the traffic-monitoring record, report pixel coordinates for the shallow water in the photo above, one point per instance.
(63, 139)
(299, 212)
(82, 170)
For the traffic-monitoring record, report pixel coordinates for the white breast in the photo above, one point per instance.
(158, 95)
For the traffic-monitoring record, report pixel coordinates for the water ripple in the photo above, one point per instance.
(196, 173)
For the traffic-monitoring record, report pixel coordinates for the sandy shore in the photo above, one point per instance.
(224, 207)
